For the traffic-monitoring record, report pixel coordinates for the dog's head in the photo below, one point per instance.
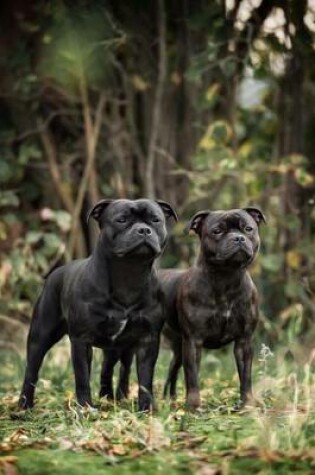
(229, 239)
(133, 227)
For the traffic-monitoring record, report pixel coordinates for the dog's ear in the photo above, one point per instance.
(167, 209)
(97, 210)
(195, 224)
(256, 214)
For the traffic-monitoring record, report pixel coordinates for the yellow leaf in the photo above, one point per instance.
(212, 92)
(139, 83)
(206, 143)
(248, 177)
(281, 168)
(297, 159)
(293, 259)
(246, 149)
(304, 178)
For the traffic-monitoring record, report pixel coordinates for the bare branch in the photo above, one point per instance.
(51, 157)
(40, 128)
(62, 191)
(12, 322)
(170, 158)
(130, 109)
(91, 138)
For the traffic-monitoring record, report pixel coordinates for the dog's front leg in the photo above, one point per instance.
(110, 358)
(190, 364)
(124, 374)
(81, 354)
(147, 355)
(243, 353)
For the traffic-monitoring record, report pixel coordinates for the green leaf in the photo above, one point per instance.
(63, 220)
(52, 241)
(9, 198)
(271, 262)
(33, 237)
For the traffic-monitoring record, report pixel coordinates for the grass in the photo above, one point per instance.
(58, 437)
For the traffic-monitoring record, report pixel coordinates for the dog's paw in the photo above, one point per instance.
(85, 401)
(145, 403)
(193, 399)
(25, 402)
(106, 393)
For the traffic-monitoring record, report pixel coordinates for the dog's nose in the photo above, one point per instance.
(239, 238)
(145, 231)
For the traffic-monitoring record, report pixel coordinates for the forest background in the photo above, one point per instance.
(203, 104)
(207, 105)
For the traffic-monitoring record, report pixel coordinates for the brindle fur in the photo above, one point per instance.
(215, 302)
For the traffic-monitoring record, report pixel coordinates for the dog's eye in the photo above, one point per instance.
(217, 231)
(155, 219)
(248, 229)
(121, 220)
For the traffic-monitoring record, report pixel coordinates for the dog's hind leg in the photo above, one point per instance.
(47, 328)
(122, 390)
(174, 367)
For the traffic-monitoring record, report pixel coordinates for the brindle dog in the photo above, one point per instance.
(214, 302)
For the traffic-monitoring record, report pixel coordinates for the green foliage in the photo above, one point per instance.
(23, 268)
(76, 49)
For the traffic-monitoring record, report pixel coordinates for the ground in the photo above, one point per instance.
(57, 437)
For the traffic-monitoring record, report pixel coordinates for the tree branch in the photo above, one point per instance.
(63, 194)
(149, 182)
(91, 137)
(51, 157)
(42, 125)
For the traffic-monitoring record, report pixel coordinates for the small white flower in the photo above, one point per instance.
(265, 353)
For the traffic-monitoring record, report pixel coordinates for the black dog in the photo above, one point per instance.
(110, 300)
(214, 302)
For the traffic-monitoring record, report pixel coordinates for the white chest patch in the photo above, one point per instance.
(121, 329)
(227, 313)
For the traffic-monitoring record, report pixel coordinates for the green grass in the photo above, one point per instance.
(58, 437)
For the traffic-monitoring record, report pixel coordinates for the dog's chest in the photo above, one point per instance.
(216, 321)
(103, 323)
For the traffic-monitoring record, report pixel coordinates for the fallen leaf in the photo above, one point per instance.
(8, 459)
(118, 450)
(203, 468)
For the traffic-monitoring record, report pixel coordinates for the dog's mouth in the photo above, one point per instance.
(144, 248)
(239, 257)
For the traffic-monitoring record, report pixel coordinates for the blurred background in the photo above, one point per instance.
(205, 104)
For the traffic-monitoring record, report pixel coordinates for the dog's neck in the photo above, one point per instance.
(220, 278)
(127, 278)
